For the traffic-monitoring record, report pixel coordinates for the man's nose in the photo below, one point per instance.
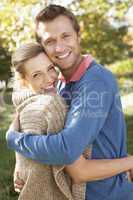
(60, 46)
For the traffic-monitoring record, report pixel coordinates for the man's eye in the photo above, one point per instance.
(50, 42)
(51, 68)
(66, 36)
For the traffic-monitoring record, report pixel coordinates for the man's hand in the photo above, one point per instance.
(18, 183)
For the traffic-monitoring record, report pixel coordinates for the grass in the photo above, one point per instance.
(7, 160)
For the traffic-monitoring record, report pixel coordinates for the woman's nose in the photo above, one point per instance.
(50, 80)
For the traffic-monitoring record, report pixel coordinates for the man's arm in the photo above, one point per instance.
(85, 119)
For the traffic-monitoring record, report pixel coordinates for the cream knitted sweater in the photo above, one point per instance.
(41, 114)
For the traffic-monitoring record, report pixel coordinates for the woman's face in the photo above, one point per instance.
(40, 74)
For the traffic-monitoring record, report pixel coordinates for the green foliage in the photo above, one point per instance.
(16, 28)
(22, 2)
(16, 25)
(99, 38)
(122, 67)
(124, 73)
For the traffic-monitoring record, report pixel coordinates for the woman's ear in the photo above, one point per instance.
(24, 82)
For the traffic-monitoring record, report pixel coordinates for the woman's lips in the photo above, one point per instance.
(49, 89)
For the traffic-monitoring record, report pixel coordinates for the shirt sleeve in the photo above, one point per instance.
(90, 105)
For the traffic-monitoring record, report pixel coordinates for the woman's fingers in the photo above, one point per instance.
(15, 124)
(18, 183)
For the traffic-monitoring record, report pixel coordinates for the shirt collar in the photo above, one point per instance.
(87, 60)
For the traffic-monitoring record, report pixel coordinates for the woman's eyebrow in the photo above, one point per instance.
(36, 72)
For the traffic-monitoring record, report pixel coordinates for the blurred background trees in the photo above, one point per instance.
(104, 29)
(15, 29)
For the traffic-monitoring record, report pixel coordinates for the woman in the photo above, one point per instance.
(41, 110)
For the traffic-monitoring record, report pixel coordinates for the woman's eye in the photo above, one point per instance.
(35, 75)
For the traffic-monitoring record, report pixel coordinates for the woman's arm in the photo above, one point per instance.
(83, 170)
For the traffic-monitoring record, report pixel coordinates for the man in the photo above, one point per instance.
(94, 118)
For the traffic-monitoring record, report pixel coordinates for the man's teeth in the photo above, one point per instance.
(63, 56)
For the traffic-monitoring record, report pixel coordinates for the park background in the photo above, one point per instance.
(107, 33)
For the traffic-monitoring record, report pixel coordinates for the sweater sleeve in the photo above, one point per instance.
(88, 112)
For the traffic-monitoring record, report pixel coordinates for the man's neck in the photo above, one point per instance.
(67, 73)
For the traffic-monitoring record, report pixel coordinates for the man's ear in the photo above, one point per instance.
(79, 37)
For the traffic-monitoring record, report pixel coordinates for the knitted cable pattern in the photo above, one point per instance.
(41, 114)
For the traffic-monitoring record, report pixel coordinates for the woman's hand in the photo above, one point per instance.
(130, 172)
(18, 183)
(130, 175)
(15, 126)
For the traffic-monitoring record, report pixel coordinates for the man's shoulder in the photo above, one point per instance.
(98, 73)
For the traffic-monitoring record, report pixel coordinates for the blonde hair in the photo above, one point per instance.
(23, 54)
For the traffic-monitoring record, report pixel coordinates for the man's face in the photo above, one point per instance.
(61, 43)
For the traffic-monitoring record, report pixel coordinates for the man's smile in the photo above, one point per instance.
(62, 56)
